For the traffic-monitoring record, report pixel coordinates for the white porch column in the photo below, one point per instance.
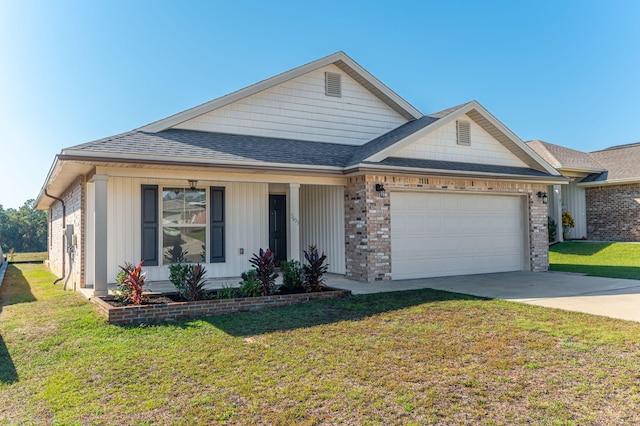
(557, 211)
(100, 234)
(293, 222)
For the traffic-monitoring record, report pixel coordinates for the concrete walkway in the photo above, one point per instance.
(611, 297)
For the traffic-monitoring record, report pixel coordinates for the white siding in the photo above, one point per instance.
(574, 200)
(246, 217)
(322, 223)
(442, 145)
(299, 109)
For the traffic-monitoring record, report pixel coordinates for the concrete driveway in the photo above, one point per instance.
(611, 297)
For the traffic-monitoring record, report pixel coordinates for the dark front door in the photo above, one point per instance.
(278, 226)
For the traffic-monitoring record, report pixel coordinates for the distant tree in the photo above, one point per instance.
(24, 229)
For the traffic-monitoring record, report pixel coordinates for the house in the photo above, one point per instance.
(604, 193)
(323, 154)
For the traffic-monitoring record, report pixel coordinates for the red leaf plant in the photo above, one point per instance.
(134, 281)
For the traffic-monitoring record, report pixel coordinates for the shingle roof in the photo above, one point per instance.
(188, 144)
(561, 157)
(390, 138)
(620, 162)
(177, 143)
(456, 166)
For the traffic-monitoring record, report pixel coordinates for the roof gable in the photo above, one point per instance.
(485, 120)
(300, 109)
(338, 59)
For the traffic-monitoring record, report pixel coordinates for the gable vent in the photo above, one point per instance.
(333, 86)
(464, 132)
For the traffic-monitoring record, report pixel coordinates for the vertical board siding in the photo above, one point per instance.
(300, 109)
(89, 232)
(442, 145)
(574, 200)
(322, 223)
(246, 207)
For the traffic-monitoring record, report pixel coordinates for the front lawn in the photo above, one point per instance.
(615, 260)
(416, 357)
(26, 257)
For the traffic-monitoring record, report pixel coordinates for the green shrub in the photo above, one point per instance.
(188, 280)
(123, 292)
(250, 285)
(226, 292)
(292, 275)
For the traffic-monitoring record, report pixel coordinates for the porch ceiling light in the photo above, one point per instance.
(380, 189)
(544, 197)
(192, 184)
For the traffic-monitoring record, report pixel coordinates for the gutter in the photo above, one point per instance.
(64, 224)
(626, 181)
(457, 174)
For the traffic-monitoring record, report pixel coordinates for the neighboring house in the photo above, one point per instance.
(302, 158)
(604, 193)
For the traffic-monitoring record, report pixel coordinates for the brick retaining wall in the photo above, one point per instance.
(185, 310)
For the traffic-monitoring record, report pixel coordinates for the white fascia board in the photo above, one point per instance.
(142, 158)
(609, 182)
(473, 105)
(508, 133)
(274, 81)
(406, 106)
(462, 173)
(390, 150)
(585, 170)
(55, 168)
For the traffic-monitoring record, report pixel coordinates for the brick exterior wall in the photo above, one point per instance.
(185, 310)
(74, 199)
(613, 213)
(368, 220)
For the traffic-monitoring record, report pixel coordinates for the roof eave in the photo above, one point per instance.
(466, 109)
(93, 157)
(610, 182)
(365, 168)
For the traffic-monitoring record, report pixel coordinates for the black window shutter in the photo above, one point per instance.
(150, 225)
(217, 225)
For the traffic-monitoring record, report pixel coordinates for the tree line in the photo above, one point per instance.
(23, 229)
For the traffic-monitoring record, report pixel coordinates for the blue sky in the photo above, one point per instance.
(74, 71)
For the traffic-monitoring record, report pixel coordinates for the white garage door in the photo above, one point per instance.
(434, 235)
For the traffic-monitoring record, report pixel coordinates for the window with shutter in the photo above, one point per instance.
(150, 225)
(217, 225)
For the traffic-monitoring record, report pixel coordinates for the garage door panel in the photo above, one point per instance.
(452, 234)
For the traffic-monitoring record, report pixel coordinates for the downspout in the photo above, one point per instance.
(64, 224)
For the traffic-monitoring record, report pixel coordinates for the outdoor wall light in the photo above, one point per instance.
(380, 189)
(192, 184)
(544, 197)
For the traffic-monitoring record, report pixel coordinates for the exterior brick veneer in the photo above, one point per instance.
(613, 213)
(368, 219)
(74, 199)
(185, 310)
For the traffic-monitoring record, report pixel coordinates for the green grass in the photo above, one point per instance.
(416, 357)
(615, 260)
(26, 257)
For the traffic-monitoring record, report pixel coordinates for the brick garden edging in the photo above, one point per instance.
(186, 310)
